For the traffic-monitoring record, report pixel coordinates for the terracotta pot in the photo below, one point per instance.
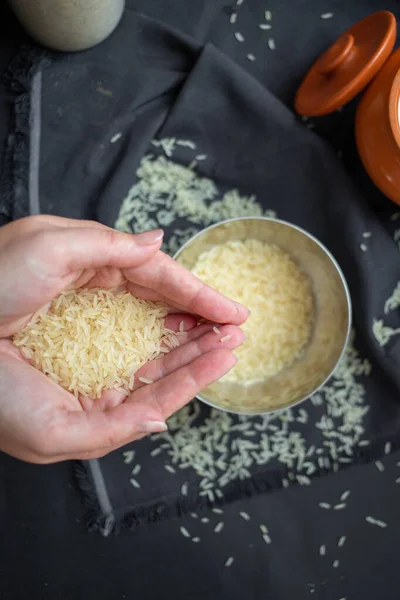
(378, 129)
(362, 56)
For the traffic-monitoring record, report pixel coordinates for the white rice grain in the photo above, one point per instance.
(271, 44)
(335, 564)
(155, 452)
(216, 330)
(225, 338)
(265, 26)
(239, 36)
(135, 483)
(115, 138)
(129, 455)
(341, 541)
(245, 516)
(136, 469)
(229, 561)
(219, 527)
(322, 550)
(327, 16)
(377, 522)
(233, 18)
(380, 466)
(250, 57)
(185, 532)
(145, 380)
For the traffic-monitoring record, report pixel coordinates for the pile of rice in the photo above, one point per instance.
(88, 341)
(266, 280)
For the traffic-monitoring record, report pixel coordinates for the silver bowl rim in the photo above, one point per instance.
(348, 299)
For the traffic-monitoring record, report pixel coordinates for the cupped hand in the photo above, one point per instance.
(42, 256)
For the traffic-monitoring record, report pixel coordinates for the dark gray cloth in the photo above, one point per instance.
(92, 122)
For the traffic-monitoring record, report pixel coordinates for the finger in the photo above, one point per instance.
(108, 399)
(31, 224)
(180, 322)
(147, 294)
(74, 249)
(174, 391)
(180, 357)
(182, 288)
(54, 221)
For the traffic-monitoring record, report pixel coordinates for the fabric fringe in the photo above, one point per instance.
(15, 164)
(133, 517)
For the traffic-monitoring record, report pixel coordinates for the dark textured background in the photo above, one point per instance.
(45, 551)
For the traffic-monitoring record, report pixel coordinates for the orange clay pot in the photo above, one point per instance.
(378, 129)
(359, 56)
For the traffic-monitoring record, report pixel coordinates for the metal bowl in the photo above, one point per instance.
(331, 322)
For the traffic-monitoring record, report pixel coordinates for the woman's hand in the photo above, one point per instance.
(42, 256)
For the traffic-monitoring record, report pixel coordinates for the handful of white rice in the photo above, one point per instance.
(89, 341)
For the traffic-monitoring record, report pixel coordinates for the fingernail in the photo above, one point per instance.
(149, 237)
(240, 308)
(152, 427)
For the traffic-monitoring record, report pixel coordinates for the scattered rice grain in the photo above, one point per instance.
(115, 138)
(239, 36)
(225, 338)
(185, 532)
(219, 527)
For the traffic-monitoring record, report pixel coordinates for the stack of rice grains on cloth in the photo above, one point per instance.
(88, 341)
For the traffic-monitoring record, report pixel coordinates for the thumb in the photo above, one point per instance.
(98, 432)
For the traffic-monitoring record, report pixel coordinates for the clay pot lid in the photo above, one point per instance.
(347, 67)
